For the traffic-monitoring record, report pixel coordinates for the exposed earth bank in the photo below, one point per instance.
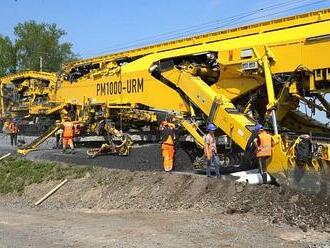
(305, 219)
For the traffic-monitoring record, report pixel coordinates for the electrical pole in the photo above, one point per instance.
(40, 61)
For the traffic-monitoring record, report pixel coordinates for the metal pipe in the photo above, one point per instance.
(274, 121)
(270, 92)
(269, 84)
(40, 63)
(2, 102)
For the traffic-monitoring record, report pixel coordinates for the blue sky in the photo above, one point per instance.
(97, 27)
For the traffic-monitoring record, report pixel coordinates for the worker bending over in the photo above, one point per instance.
(13, 132)
(68, 133)
(210, 151)
(167, 141)
(263, 142)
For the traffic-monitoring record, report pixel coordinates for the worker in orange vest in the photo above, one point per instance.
(13, 131)
(210, 151)
(264, 149)
(68, 133)
(167, 141)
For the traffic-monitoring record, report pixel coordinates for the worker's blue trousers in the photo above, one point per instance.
(216, 161)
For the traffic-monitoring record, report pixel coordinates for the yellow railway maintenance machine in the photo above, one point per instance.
(28, 96)
(27, 93)
(234, 78)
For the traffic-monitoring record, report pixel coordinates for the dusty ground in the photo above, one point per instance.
(125, 228)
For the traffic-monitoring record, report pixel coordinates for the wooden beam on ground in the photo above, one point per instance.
(5, 156)
(51, 192)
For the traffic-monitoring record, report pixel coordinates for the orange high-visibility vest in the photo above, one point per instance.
(264, 145)
(13, 128)
(210, 146)
(68, 130)
(169, 140)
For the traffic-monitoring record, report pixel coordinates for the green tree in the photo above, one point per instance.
(7, 56)
(34, 41)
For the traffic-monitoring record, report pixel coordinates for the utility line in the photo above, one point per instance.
(198, 28)
(240, 21)
(214, 25)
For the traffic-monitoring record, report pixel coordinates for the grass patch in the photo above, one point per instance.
(17, 173)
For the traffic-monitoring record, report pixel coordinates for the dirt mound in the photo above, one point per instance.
(105, 189)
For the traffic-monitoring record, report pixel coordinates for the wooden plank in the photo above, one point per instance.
(51, 192)
(5, 156)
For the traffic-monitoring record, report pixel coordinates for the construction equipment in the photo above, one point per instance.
(233, 78)
(33, 146)
(118, 143)
(26, 92)
(27, 96)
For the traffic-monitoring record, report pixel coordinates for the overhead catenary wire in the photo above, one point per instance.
(217, 22)
(233, 18)
(281, 12)
(242, 18)
(195, 28)
(240, 21)
(200, 27)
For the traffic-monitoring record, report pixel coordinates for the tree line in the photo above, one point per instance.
(35, 45)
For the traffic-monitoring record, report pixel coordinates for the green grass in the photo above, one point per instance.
(17, 173)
